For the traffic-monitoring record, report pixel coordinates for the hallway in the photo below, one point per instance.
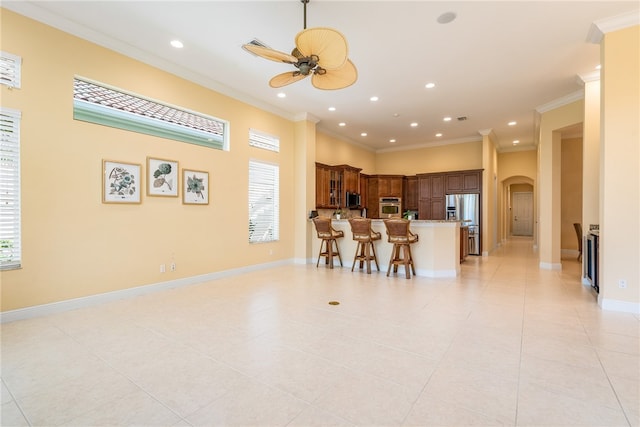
(505, 343)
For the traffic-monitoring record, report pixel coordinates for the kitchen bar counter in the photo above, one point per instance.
(436, 254)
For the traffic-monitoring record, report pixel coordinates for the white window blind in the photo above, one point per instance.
(264, 141)
(10, 69)
(264, 204)
(10, 245)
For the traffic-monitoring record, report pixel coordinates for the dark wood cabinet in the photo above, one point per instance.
(464, 243)
(382, 186)
(410, 197)
(431, 196)
(389, 185)
(332, 184)
(463, 182)
(364, 190)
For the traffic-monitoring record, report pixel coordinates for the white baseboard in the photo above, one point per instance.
(551, 266)
(88, 301)
(617, 305)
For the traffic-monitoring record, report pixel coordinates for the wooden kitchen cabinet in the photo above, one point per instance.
(332, 184)
(350, 179)
(463, 181)
(410, 197)
(364, 190)
(389, 185)
(431, 196)
(464, 243)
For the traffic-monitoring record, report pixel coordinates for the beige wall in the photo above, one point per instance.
(73, 244)
(591, 155)
(571, 190)
(333, 151)
(439, 158)
(549, 179)
(620, 169)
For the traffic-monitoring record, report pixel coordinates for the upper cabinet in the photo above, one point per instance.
(333, 183)
(389, 185)
(463, 181)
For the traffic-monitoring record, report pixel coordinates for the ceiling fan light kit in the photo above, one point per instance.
(320, 52)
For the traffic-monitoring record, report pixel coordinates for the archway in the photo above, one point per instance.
(517, 186)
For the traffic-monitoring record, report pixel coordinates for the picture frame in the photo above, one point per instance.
(195, 187)
(162, 177)
(121, 182)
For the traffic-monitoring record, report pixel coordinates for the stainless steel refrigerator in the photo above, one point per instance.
(466, 208)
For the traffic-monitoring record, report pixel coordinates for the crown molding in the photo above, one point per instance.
(300, 117)
(606, 25)
(430, 144)
(588, 77)
(560, 102)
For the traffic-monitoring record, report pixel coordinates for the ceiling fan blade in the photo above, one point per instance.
(267, 53)
(326, 43)
(286, 78)
(336, 79)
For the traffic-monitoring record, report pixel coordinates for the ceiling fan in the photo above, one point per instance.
(320, 53)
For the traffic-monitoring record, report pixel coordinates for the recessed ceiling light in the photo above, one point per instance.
(363, 134)
(392, 141)
(177, 44)
(342, 124)
(438, 135)
(396, 115)
(332, 108)
(512, 123)
(516, 142)
(374, 98)
(447, 119)
(414, 125)
(282, 95)
(446, 17)
(430, 85)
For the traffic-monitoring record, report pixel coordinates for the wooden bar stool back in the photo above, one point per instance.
(365, 236)
(402, 238)
(329, 237)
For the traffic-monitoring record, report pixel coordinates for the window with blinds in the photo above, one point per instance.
(10, 240)
(264, 204)
(264, 141)
(105, 105)
(10, 69)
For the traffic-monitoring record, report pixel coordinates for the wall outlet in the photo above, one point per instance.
(173, 266)
(162, 268)
(622, 284)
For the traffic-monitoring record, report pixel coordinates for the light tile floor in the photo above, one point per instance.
(503, 344)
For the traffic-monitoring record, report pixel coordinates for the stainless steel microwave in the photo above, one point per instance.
(390, 207)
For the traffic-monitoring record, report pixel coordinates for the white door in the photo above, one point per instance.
(522, 219)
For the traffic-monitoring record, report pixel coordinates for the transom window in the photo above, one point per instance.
(102, 104)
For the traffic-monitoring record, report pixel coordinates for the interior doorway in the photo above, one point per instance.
(522, 214)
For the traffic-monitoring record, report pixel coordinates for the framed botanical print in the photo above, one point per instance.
(195, 189)
(121, 182)
(162, 177)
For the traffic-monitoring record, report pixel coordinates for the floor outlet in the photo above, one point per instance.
(162, 268)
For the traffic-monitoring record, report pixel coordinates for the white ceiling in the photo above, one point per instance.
(496, 62)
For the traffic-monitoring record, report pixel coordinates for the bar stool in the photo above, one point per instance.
(402, 239)
(365, 236)
(329, 237)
